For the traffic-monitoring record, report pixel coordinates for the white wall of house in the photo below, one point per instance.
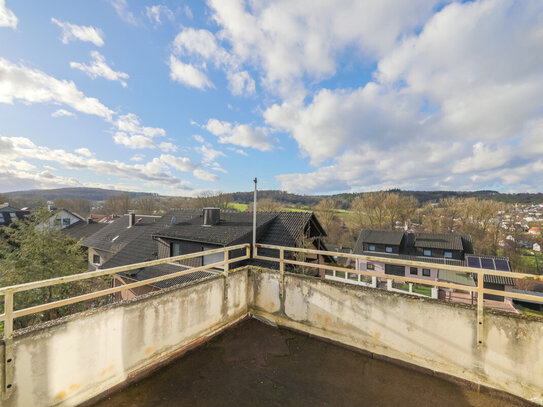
(61, 219)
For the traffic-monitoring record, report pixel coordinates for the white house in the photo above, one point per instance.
(62, 218)
(536, 247)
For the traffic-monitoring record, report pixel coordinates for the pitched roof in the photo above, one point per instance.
(164, 269)
(114, 236)
(380, 237)
(8, 209)
(231, 229)
(445, 241)
(82, 230)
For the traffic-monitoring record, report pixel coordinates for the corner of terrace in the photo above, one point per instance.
(77, 358)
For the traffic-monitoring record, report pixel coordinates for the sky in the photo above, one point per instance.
(310, 96)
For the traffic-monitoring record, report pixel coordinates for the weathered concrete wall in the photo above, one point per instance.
(432, 334)
(75, 359)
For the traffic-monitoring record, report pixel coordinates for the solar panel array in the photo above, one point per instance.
(488, 263)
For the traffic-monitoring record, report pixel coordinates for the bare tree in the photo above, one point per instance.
(117, 204)
(265, 205)
(326, 213)
(211, 199)
(146, 205)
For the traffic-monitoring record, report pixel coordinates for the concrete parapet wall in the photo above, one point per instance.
(72, 360)
(432, 334)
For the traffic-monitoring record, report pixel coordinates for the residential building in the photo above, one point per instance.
(433, 248)
(8, 214)
(190, 231)
(61, 218)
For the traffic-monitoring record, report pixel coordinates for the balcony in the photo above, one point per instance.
(75, 359)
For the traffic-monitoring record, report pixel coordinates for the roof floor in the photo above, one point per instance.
(253, 364)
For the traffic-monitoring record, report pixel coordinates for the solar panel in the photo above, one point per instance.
(474, 262)
(487, 263)
(502, 265)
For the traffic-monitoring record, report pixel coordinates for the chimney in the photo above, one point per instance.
(89, 220)
(212, 216)
(131, 219)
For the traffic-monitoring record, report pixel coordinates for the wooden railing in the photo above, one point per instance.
(479, 288)
(8, 293)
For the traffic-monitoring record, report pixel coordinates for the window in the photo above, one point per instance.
(414, 270)
(426, 272)
(1, 217)
(95, 259)
(371, 248)
(66, 221)
(370, 266)
(57, 221)
(388, 249)
(427, 252)
(447, 255)
(174, 249)
(13, 215)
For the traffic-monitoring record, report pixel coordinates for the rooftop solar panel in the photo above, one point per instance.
(502, 265)
(487, 263)
(474, 262)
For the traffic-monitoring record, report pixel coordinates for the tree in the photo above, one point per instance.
(211, 199)
(28, 253)
(80, 206)
(326, 213)
(265, 205)
(117, 204)
(146, 205)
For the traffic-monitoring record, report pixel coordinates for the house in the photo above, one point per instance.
(438, 248)
(8, 214)
(61, 218)
(534, 230)
(82, 229)
(189, 231)
(536, 247)
(115, 236)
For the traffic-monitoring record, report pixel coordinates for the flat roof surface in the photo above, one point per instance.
(253, 364)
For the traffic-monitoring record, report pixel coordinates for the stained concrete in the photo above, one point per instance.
(253, 364)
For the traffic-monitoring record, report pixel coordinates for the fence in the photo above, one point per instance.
(479, 289)
(10, 313)
(8, 293)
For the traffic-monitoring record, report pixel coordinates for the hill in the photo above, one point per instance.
(92, 194)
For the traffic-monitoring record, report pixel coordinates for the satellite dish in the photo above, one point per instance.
(173, 221)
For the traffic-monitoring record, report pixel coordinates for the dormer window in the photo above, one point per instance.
(388, 249)
(427, 252)
(447, 255)
(371, 248)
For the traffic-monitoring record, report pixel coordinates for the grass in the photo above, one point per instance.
(238, 206)
(419, 289)
(530, 312)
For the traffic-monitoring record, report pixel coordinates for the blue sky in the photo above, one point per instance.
(178, 97)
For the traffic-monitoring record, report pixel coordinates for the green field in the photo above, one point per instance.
(238, 206)
(528, 311)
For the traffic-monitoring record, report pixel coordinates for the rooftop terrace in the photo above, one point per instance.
(254, 364)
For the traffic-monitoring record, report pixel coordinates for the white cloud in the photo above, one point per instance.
(241, 83)
(137, 157)
(201, 46)
(240, 134)
(72, 32)
(155, 13)
(179, 163)
(84, 151)
(198, 138)
(7, 17)
(135, 141)
(188, 74)
(205, 175)
(167, 147)
(290, 40)
(62, 113)
(130, 123)
(34, 86)
(153, 172)
(209, 155)
(122, 9)
(100, 69)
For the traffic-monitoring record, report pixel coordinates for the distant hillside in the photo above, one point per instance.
(344, 200)
(92, 194)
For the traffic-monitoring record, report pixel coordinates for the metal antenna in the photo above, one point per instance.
(254, 217)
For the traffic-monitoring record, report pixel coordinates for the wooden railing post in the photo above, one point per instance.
(480, 307)
(282, 271)
(226, 264)
(7, 385)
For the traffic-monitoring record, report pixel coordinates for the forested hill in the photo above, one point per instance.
(344, 200)
(92, 194)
